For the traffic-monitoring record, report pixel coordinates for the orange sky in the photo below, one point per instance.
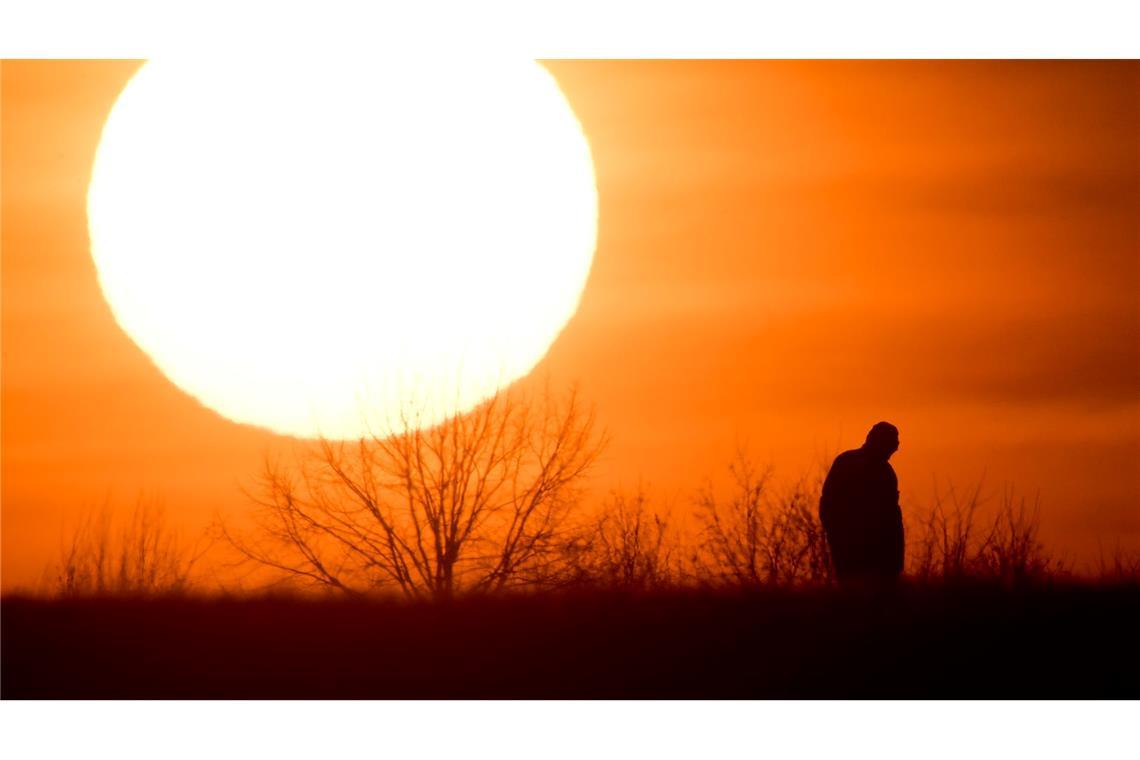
(787, 253)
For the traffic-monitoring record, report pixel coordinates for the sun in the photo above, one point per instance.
(326, 248)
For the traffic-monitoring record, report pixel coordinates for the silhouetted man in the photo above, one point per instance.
(859, 509)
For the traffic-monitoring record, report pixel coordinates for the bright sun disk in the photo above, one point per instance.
(319, 247)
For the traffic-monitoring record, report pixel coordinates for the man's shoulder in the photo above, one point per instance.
(846, 463)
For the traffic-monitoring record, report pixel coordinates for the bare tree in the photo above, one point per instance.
(142, 556)
(755, 536)
(477, 503)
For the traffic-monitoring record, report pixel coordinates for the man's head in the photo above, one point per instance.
(883, 440)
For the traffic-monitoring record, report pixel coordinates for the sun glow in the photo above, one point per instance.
(317, 248)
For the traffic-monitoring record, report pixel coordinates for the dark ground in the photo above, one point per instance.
(977, 642)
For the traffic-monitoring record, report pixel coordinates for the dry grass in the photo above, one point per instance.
(629, 546)
(757, 536)
(751, 534)
(1118, 568)
(952, 541)
(137, 556)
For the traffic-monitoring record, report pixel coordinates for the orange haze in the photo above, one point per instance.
(788, 252)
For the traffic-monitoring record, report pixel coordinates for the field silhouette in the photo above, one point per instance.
(959, 641)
